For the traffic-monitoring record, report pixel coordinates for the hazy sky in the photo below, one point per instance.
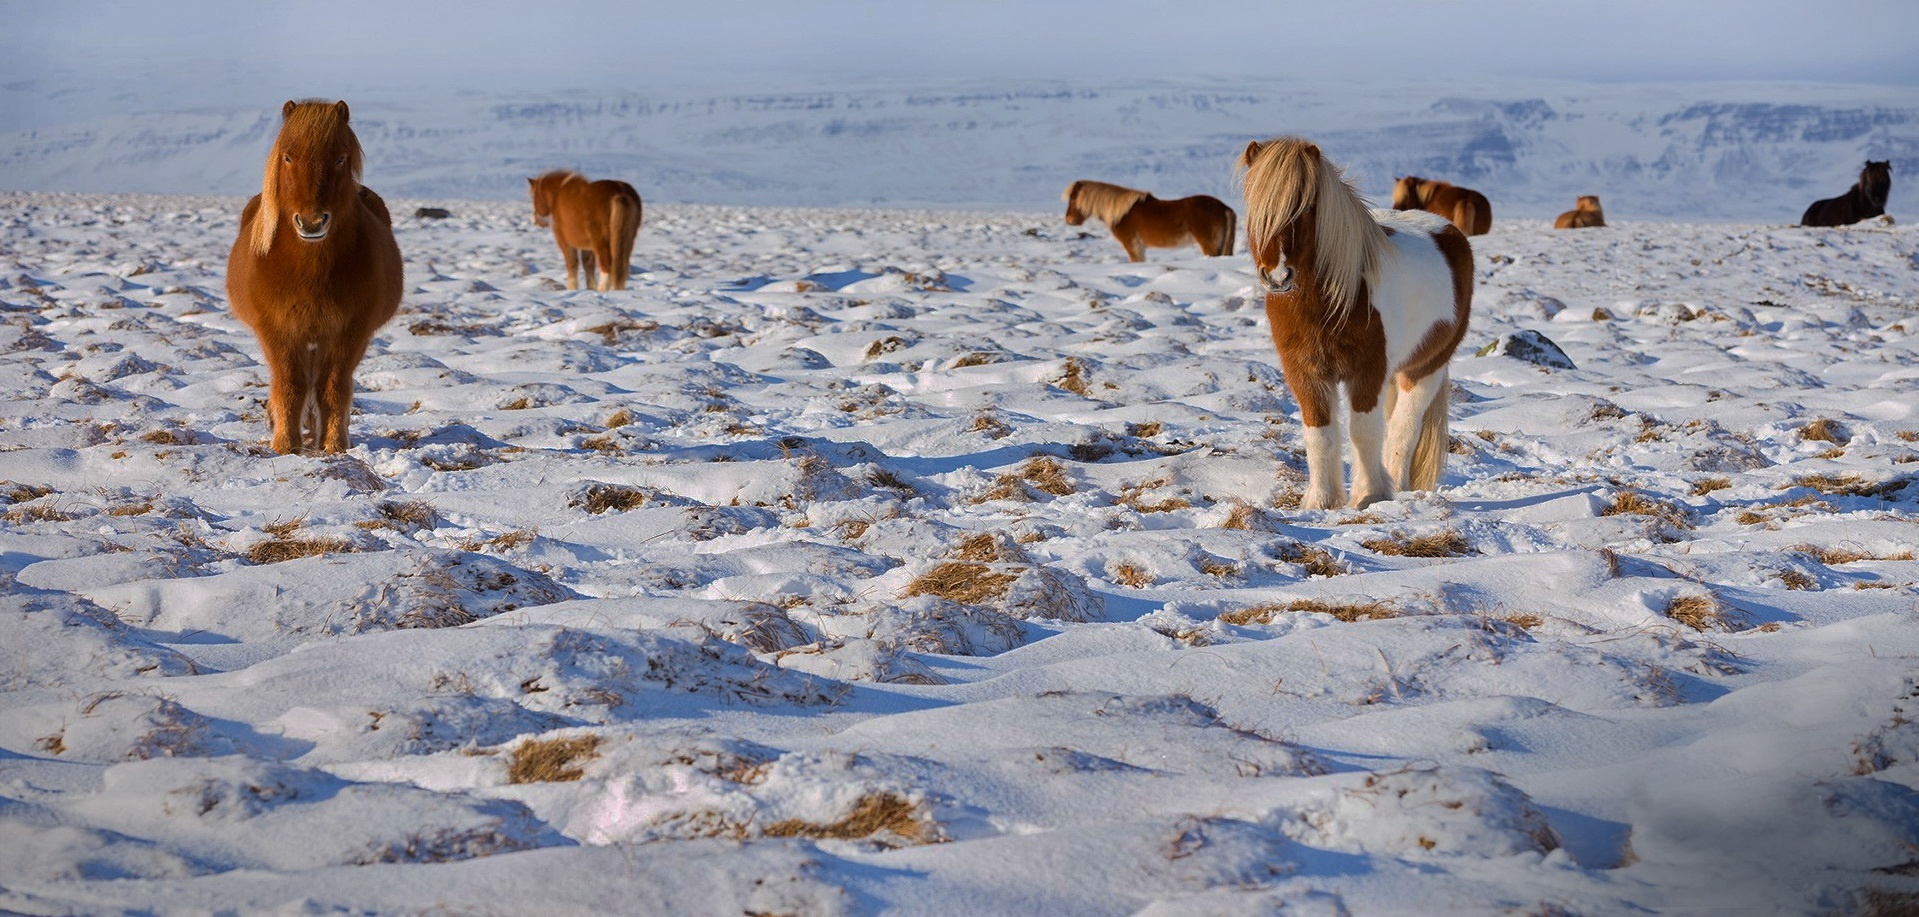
(142, 54)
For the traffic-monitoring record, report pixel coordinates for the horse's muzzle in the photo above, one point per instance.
(1282, 285)
(315, 231)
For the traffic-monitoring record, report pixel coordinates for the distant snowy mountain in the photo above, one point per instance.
(1709, 151)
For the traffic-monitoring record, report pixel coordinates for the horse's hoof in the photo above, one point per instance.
(1361, 501)
(1319, 501)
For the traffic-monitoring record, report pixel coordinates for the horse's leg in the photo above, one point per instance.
(572, 264)
(1406, 423)
(603, 258)
(1370, 481)
(1129, 240)
(335, 391)
(286, 395)
(589, 276)
(1325, 480)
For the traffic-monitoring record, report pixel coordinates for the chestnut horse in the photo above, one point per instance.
(1139, 219)
(314, 273)
(1468, 209)
(1372, 300)
(1585, 214)
(1866, 200)
(593, 222)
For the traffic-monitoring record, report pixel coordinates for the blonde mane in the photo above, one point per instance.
(1098, 199)
(309, 124)
(1286, 177)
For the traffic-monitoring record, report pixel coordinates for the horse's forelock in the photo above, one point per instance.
(1106, 202)
(1288, 177)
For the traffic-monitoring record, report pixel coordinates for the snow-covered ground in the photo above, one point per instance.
(861, 562)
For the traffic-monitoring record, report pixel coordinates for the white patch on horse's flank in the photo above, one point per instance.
(1415, 287)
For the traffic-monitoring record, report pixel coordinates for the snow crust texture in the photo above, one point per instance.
(881, 561)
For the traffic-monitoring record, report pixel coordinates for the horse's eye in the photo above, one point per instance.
(340, 162)
(286, 158)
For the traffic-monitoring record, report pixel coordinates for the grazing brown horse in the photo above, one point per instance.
(1866, 200)
(1585, 214)
(314, 273)
(1139, 219)
(593, 222)
(1372, 300)
(1468, 209)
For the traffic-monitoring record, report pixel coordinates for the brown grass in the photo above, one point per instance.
(602, 498)
(1634, 503)
(1850, 485)
(277, 550)
(505, 541)
(1344, 611)
(1135, 497)
(168, 436)
(409, 515)
(551, 760)
(1449, 543)
(1074, 378)
(1833, 557)
(1700, 611)
(131, 509)
(21, 493)
(1047, 474)
(989, 547)
(1795, 579)
(1824, 430)
(965, 582)
(1316, 560)
(1705, 486)
(617, 419)
(610, 332)
(44, 512)
(1131, 575)
(994, 428)
(1245, 517)
(888, 816)
(1145, 430)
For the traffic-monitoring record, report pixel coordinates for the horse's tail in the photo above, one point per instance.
(1435, 437)
(1466, 215)
(623, 222)
(1228, 230)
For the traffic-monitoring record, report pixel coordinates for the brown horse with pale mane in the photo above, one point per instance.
(1374, 301)
(1467, 209)
(1138, 219)
(314, 273)
(594, 224)
(1586, 213)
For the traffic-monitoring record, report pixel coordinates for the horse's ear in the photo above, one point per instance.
(1311, 149)
(340, 107)
(1252, 152)
(286, 111)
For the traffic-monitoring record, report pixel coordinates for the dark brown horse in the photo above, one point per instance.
(594, 224)
(314, 273)
(1866, 200)
(1139, 219)
(1585, 214)
(1375, 301)
(1467, 209)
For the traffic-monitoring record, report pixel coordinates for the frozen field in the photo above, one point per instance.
(862, 562)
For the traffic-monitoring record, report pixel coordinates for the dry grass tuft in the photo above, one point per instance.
(1449, 543)
(505, 541)
(42, 512)
(1850, 485)
(1705, 486)
(1134, 497)
(1700, 611)
(551, 760)
(1047, 474)
(994, 428)
(601, 498)
(1145, 430)
(1522, 620)
(1074, 378)
(887, 817)
(1634, 503)
(989, 547)
(1344, 611)
(409, 515)
(619, 418)
(1825, 430)
(1130, 575)
(1316, 560)
(168, 436)
(21, 493)
(1245, 517)
(280, 549)
(131, 509)
(1833, 557)
(965, 582)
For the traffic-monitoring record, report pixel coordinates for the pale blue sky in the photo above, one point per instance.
(140, 55)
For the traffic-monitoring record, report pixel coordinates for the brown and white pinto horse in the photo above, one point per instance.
(1372, 300)
(594, 224)
(1584, 215)
(1138, 219)
(1865, 200)
(314, 273)
(1467, 209)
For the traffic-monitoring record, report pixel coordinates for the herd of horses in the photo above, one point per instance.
(1369, 302)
